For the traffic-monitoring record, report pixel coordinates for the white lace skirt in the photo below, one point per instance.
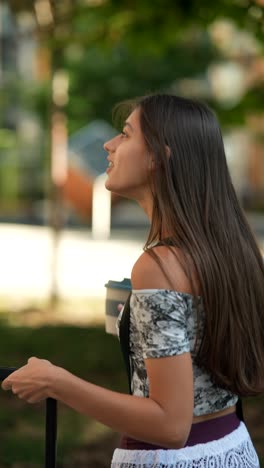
(235, 450)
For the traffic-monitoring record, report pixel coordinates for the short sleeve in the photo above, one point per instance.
(160, 317)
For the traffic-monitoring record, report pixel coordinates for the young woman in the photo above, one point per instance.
(197, 302)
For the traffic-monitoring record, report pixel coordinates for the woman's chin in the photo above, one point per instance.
(107, 182)
(118, 191)
(109, 186)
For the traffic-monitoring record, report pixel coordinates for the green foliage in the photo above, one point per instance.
(9, 177)
(157, 22)
(118, 49)
(99, 79)
(54, 343)
(7, 139)
(89, 353)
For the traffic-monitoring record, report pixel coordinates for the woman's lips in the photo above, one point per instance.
(110, 167)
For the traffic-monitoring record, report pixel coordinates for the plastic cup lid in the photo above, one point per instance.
(124, 284)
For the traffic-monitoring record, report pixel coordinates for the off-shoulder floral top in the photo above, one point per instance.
(164, 323)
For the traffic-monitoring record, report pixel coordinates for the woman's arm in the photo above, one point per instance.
(164, 418)
(153, 419)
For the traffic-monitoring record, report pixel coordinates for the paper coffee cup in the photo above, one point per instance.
(116, 293)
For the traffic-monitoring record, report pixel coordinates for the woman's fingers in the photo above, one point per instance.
(120, 307)
(6, 385)
(30, 382)
(31, 397)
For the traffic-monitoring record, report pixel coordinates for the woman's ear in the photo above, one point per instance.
(152, 164)
(168, 151)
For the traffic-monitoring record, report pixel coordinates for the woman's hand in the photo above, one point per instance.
(32, 382)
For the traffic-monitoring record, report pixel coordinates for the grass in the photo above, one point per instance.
(93, 355)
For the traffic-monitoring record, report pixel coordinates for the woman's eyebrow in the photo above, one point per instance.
(127, 124)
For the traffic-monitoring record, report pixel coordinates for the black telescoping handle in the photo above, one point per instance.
(6, 371)
(51, 423)
(51, 433)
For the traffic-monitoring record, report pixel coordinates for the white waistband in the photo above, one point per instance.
(218, 453)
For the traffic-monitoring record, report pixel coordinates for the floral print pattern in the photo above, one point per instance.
(165, 323)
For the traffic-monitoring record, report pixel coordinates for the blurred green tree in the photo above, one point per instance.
(117, 49)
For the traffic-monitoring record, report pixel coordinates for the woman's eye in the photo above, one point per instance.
(123, 133)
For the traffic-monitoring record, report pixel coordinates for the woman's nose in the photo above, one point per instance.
(111, 145)
(105, 145)
(108, 146)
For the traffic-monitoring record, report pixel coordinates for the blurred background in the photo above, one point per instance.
(63, 65)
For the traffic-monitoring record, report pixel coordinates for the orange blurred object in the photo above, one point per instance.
(77, 190)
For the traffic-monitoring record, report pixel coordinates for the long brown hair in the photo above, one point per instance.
(195, 199)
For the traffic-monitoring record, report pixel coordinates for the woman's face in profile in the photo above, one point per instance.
(130, 162)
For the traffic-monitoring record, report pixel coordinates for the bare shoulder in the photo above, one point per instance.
(160, 268)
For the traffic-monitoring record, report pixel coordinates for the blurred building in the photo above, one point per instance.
(86, 161)
(21, 154)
